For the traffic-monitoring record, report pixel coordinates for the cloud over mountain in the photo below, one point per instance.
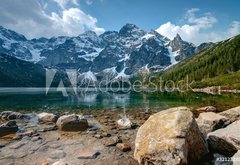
(198, 28)
(29, 18)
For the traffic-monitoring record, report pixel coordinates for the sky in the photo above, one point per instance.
(196, 21)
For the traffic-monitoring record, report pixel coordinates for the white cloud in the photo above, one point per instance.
(197, 29)
(29, 18)
(63, 3)
(74, 20)
(234, 29)
(89, 2)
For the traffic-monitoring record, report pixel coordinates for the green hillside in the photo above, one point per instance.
(18, 73)
(218, 65)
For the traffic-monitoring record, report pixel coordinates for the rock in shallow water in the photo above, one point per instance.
(124, 123)
(47, 117)
(72, 123)
(170, 137)
(8, 128)
(123, 147)
(10, 115)
(87, 154)
(226, 140)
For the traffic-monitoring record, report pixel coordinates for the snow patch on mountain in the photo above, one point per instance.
(88, 76)
(93, 55)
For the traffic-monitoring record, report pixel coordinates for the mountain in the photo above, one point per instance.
(113, 54)
(216, 66)
(18, 73)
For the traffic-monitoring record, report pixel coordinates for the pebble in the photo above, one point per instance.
(123, 147)
(87, 154)
(112, 141)
(57, 154)
(98, 136)
(46, 162)
(2, 145)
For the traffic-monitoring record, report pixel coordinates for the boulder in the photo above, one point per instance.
(8, 128)
(72, 123)
(170, 137)
(47, 117)
(207, 109)
(10, 115)
(124, 123)
(232, 114)
(226, 141)
(210, 121)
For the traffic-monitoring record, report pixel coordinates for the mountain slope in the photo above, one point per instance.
(18, 73)
(210, 67)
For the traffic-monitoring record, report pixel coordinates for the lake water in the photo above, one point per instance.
(36, 99)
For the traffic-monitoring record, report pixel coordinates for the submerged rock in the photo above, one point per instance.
(207, 109)
(112, 141)
(170, 137)
(226, 140)
(232, 114)
(72, 123)
(47, 117)
(8, 128)
(10, 115)
(87, 154)
(210, 121)
(124, 123)
(123, 147)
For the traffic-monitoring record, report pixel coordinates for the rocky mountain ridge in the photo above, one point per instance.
(112, 54)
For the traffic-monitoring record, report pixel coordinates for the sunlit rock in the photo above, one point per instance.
(170, 137)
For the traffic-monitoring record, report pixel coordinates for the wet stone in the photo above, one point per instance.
(123, 147)
(57, 154)
(18, 145)
(87, 154)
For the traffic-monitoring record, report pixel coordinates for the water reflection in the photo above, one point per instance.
(94, 100)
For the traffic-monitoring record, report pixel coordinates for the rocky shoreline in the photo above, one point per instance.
(172, 136)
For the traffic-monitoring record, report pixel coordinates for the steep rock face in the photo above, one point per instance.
(170, 137)
(122, 53)
(183, 48)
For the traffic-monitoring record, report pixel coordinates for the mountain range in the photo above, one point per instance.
(113, 54)
(216, 66)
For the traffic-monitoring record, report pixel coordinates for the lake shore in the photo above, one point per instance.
(102, 142)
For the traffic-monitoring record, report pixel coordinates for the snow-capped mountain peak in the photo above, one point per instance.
(119, 54)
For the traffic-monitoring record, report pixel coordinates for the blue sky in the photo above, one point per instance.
(196, 21)
(147, 14)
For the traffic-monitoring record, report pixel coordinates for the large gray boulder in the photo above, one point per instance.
(72, 123)
(8, 128)
(232, 114)
(226, 141)
(210, 121)
(170, 137)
